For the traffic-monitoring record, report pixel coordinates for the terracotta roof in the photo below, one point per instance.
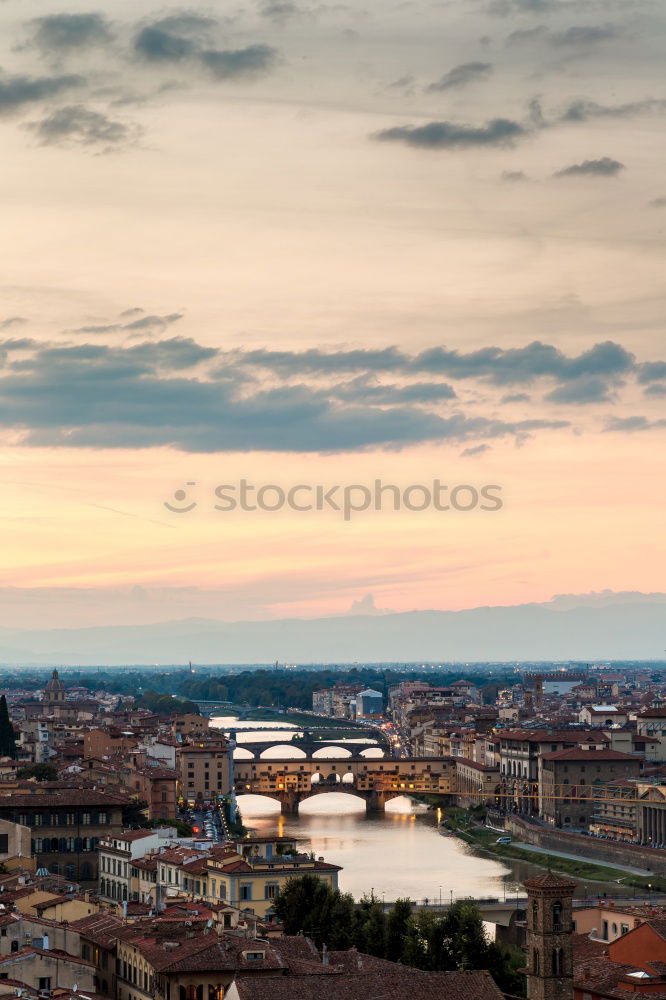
(98, 927)
(585, 948)
(576, 753)
(394, 985)
(44, 798)
(550, 880)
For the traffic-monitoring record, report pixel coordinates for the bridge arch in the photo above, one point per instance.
(320, 780)
(329, 751)
(280, 750)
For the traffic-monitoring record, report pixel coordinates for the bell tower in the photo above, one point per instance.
(549, 937)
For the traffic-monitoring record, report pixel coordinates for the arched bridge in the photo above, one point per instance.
(309, 747)
(375, 780)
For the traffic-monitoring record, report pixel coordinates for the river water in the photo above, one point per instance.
(400, 854)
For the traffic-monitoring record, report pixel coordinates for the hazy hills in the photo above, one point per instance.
(586, 627)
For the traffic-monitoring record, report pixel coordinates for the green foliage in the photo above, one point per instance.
(167, 704)
(134, 815)
(424, 940)
(183, 829)
(7, 735)
(242, 686)
(42, 772)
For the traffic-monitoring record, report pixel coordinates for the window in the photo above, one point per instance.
(557, 916)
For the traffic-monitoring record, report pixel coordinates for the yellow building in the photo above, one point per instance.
(223, 875)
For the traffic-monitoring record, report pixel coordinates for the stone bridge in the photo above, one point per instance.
(375, 780)
(308, 746)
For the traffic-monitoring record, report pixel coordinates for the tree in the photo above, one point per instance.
(42, 772)
(7, 735)
(134, 815)
(397, 926)
(309, 906)
(371, 937)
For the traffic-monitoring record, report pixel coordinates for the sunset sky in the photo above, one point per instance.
(312, 243)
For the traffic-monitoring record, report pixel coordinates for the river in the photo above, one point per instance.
(399, 854)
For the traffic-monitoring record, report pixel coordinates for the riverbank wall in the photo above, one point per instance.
(603, 852)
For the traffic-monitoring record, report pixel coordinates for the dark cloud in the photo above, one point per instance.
(79, 126)
(529, 35)
(630, 424)
(187, 23)
(187, 38)
(96, 396)
(461, 75)
(651, 371)
(388, 359)
(583, 110)
(178, 393)
(449, 135)
(142, 324)
(59, 33)
(478, 449)
(586, 389)
(504, 8)
(111, 397)
(584, 34)
(605, 167)
(230, 63)
(280, 10)
(514, 175)
(524, 364)
(158, 44)
(12, 321)
(17, 92)
(361, 390)
(500, 366)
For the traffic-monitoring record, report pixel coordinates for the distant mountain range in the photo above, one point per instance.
(587, 627)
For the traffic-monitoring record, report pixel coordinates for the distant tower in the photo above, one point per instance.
(549, 937)
(54, 692)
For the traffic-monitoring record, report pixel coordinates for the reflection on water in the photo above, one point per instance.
(229, 721)
(401, 854)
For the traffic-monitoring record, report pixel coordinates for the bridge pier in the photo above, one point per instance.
(289, 803)
(375, 803)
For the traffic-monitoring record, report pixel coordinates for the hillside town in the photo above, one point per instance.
(127, 873)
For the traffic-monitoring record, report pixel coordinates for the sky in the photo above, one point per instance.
(326, 245)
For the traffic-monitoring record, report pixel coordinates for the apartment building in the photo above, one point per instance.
(206, 770)
(66, 825)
